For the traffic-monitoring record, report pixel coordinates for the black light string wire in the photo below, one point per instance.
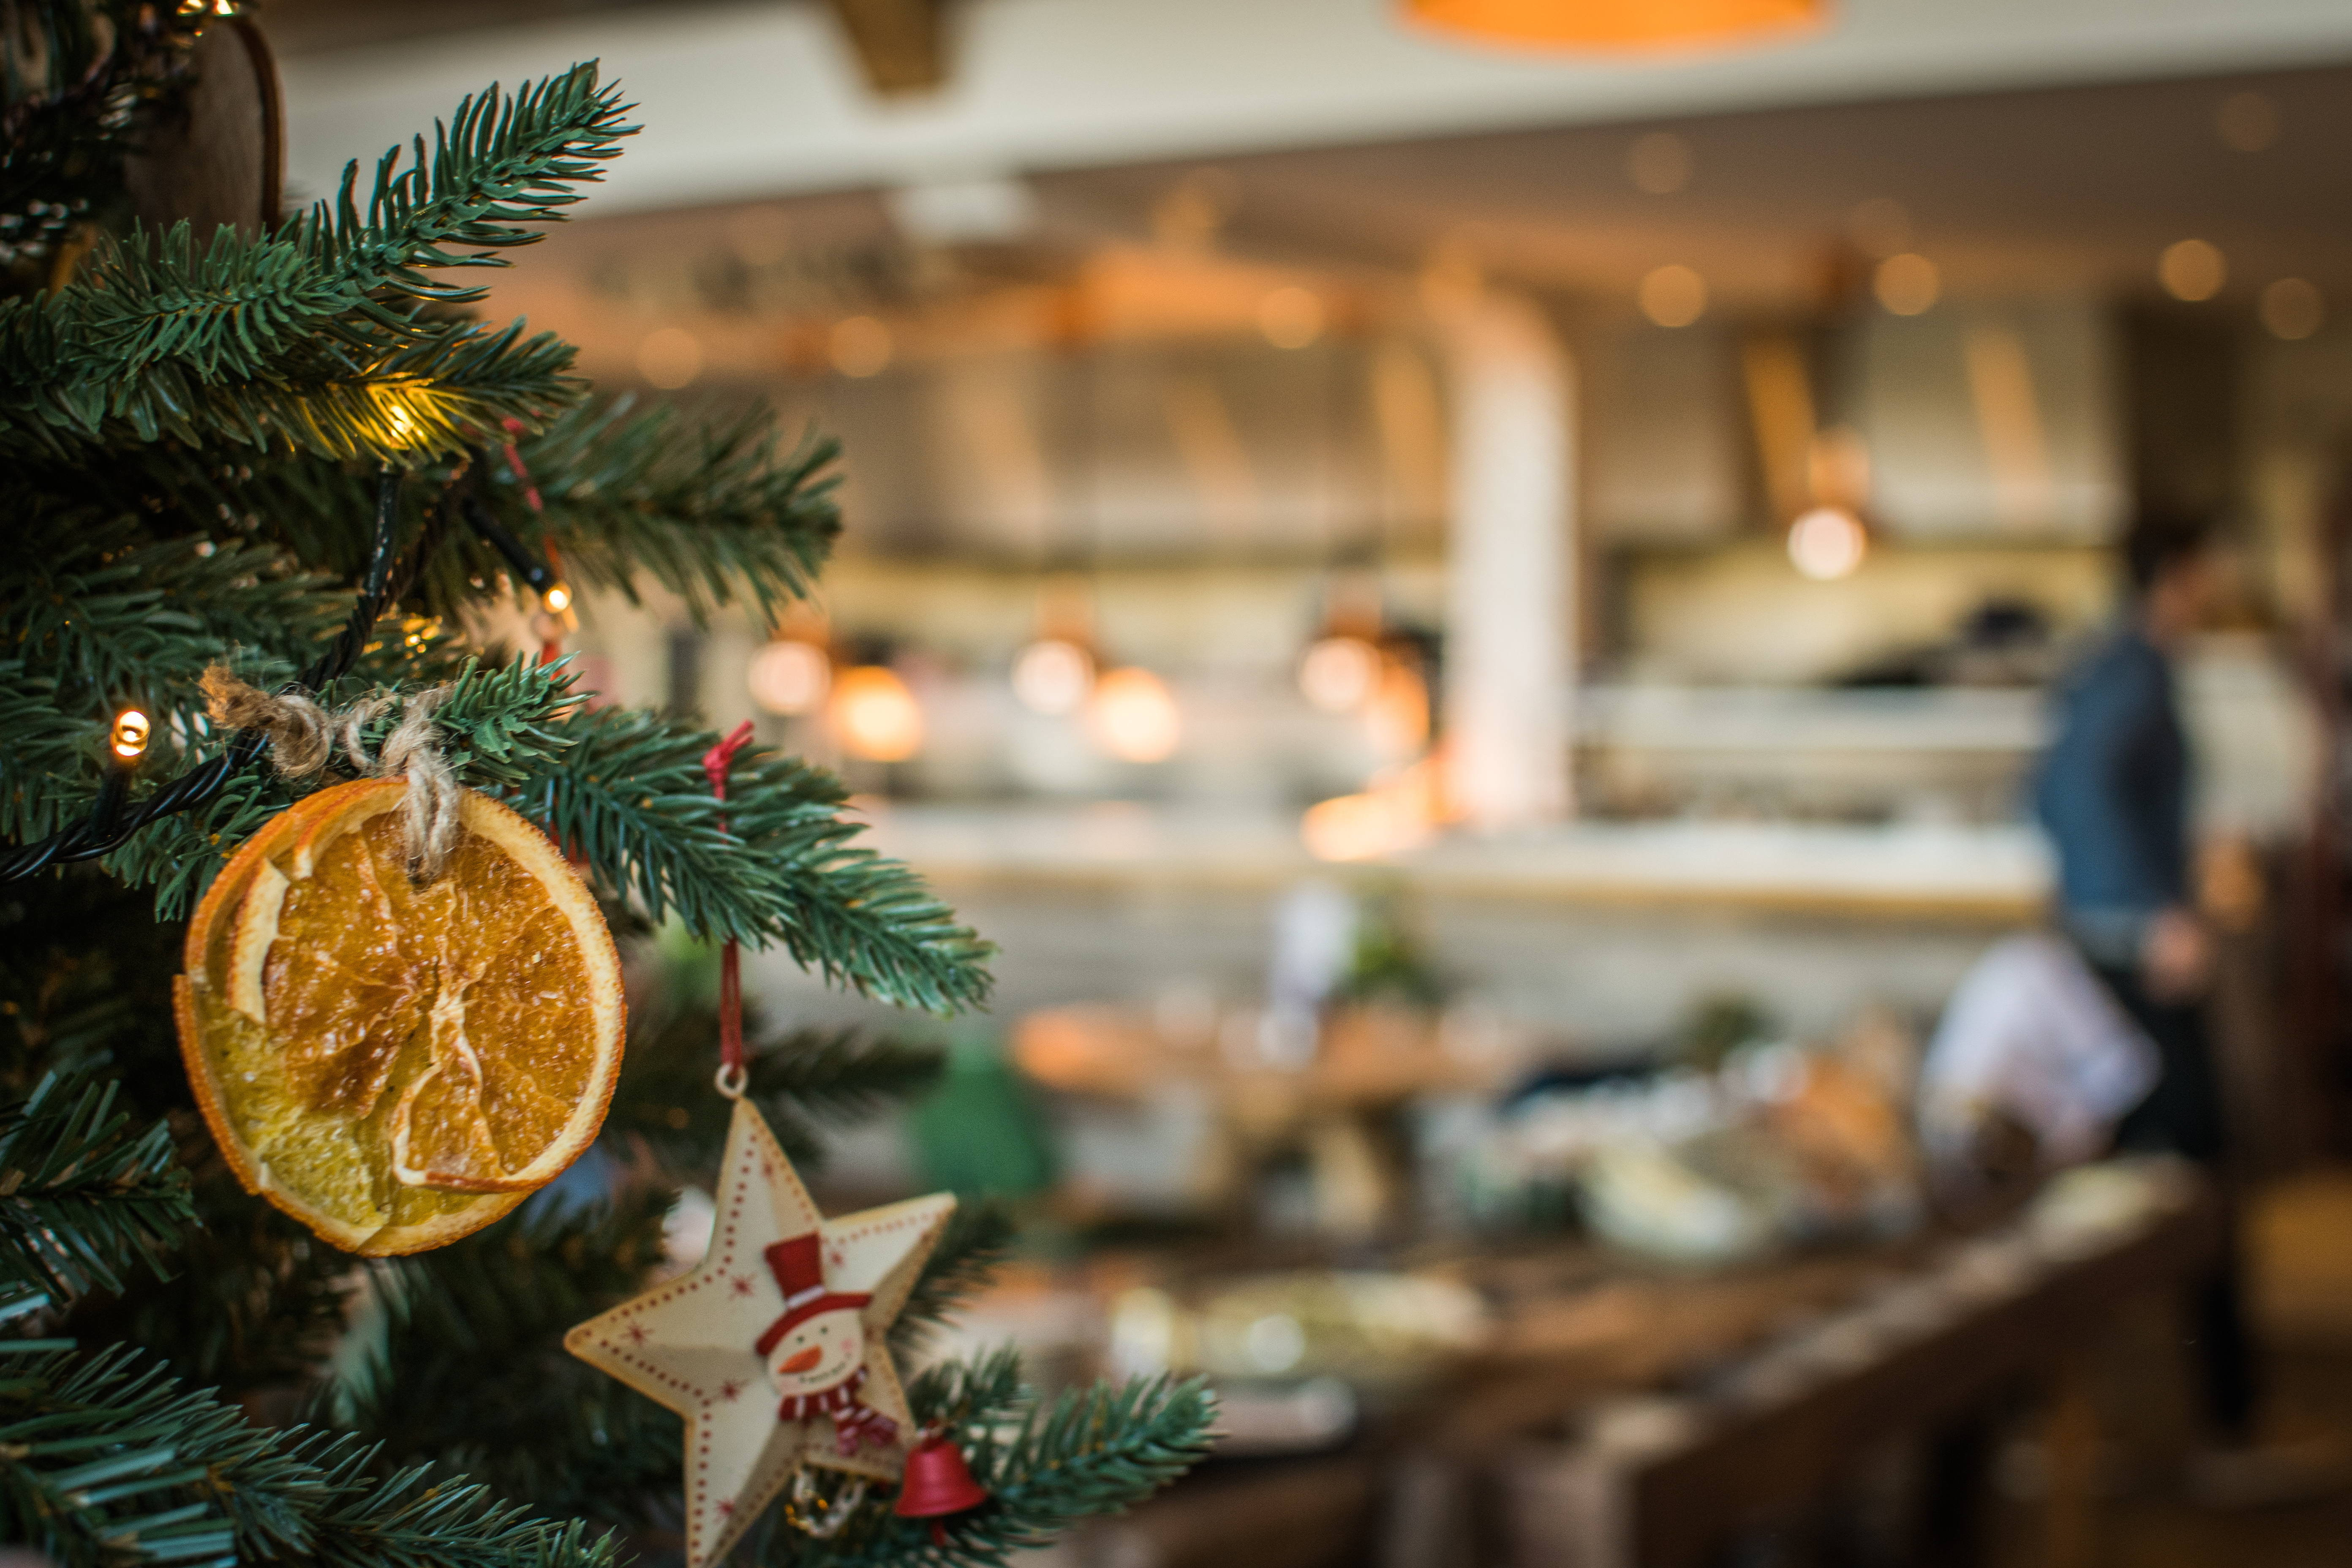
(109, 826)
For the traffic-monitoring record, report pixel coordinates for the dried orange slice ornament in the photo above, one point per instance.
(396, 1066)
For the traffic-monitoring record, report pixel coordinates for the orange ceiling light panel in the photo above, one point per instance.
(1619, 24)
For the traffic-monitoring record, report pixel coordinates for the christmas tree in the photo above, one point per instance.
(287, 458)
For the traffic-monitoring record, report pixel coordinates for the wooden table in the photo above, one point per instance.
(1781, 1431)
(1710, 1407)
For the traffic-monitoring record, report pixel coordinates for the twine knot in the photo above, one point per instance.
(301, 740)
(296, 725)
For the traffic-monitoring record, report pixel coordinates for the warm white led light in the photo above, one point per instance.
(130, 731)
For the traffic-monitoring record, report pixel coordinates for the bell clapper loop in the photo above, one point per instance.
(816, 1515)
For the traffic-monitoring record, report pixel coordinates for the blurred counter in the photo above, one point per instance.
(1993, 874)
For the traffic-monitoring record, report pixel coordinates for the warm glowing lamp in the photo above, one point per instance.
(1618, 24)
(875, 716)
(789, 676)
(558, 598)
(1400, 812)
(1053, 676)
(1133, 716)
(1827, 542)
(1055, 671)
(1397, 715)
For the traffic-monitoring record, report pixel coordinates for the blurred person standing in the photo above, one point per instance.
(2113, 793)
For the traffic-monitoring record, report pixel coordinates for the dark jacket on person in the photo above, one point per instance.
(2114, 795)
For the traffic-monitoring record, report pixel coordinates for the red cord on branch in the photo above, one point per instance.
(716, 762)
(551, 649)
(515, 429)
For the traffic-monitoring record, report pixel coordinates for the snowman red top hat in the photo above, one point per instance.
(798, 1264)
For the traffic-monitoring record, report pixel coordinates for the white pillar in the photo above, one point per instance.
(1509, 660)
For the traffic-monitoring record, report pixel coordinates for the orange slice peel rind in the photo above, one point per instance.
(397, 1066)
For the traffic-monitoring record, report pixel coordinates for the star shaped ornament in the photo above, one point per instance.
(775, 1347)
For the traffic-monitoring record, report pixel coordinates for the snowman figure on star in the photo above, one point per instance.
(815, 1352)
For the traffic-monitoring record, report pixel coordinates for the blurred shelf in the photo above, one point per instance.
(1383, 545)
(1768, 719)
(1991, 874)
(1989, 540)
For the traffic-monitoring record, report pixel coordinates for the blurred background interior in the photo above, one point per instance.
(1475, 621)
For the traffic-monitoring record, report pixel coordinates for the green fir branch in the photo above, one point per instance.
(429, 395)
(1093, 1451)
(180, 855)
(667, 1102)
(838, 1077)
(317, 337)
(85, 992)
(499, 724)
(978, 1240)
(462, 1363)
(723, 513)
(631, 796)
(104, 1460)
(94, 616)
(82, 1197)
(497, 165)
(713, 514)
(40, 750)
(257, 1305)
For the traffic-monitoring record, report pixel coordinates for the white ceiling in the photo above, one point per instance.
(759, 98)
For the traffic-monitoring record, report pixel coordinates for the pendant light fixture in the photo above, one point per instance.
(874, 715)
(1827, 540)
(1609, 25)
(1339, 671)
(1053, 673)
(1133, 716)
(1128, 711)
(792, 675)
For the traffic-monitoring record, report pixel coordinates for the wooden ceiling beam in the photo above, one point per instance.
(901, 44)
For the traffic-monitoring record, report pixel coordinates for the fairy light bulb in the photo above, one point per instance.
(558, 599)
(875, 716)
(130, 731)
(1053, 676)
(1134, 717)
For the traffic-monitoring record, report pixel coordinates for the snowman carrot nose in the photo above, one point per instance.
(803, 1360)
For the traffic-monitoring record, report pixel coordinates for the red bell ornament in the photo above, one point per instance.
(938, 1483)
